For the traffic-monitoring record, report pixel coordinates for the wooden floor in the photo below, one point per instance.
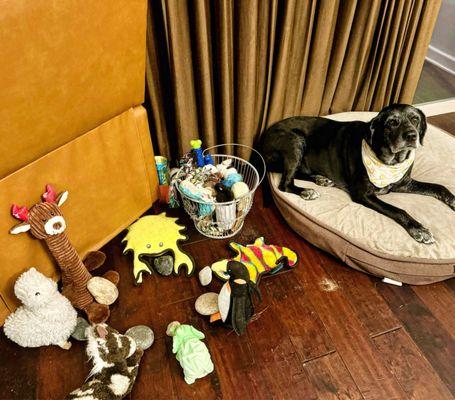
(434, 84)
(323, 331)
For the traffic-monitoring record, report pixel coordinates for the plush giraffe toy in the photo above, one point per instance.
(45, 222)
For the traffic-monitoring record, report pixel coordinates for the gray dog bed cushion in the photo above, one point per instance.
(371, 242)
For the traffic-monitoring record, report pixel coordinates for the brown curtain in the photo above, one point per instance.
(224, 70)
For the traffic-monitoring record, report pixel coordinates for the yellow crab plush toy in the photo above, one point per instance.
(152, 237)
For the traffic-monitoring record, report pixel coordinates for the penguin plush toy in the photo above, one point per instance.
(235, 300)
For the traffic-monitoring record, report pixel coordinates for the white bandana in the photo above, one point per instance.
(380, 174)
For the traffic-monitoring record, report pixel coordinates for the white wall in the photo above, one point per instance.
(442, 47)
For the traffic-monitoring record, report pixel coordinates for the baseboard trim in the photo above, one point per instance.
(441, 59)
(438, 107)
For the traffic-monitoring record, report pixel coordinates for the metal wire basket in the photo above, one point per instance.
(222, 220)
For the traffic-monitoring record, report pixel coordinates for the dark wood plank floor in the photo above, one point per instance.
(434, 84)
(323, 332)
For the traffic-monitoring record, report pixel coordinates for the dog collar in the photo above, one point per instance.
(380, 174)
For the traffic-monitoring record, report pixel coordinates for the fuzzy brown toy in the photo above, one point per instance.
(45, 222)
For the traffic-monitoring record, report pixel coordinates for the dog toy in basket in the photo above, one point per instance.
(217, 187)
(152, 239)
(259, 258)
(116, 361)
(45, 317)
(45, 222)
(191, 352)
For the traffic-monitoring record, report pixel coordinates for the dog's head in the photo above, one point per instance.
(106, 347)
(395, 131)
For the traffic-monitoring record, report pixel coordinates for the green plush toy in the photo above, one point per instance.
(153, 237)
(191, 352)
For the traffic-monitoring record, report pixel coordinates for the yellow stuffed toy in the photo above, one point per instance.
(259, 258)
(154, 236)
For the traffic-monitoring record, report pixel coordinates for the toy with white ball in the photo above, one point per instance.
(240, 191)
(46, 316)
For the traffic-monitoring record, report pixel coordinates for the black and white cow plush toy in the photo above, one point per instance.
(115, 360)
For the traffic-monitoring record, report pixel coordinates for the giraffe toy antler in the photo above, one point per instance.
(21, 213)
(49, 196)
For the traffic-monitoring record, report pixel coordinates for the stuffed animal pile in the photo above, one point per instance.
(48, 317)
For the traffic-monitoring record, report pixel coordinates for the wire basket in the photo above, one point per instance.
(222, 220)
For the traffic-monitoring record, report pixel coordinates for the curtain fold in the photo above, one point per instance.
(225, 70)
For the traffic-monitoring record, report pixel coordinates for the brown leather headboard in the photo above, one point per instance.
(71, 85)
(66, 67)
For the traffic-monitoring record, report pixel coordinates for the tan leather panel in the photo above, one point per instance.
(111, 178)
(65, 67)
(140, 116)
(3, 310)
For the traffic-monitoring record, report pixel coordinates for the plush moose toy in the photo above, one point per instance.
(45, 222)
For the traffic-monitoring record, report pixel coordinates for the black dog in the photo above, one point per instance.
(329, 153)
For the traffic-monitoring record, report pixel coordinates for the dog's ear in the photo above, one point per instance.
(422, 126)
(376, 125)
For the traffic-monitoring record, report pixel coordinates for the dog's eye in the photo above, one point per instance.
(394, 122)
(414, 119)
(37, 293)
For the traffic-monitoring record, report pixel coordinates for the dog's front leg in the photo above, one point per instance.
(413, 227)
(427, 189)
(291, 165)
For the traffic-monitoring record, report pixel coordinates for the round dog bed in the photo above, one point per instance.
(371, 242)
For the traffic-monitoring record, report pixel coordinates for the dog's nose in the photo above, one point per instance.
(57, 225)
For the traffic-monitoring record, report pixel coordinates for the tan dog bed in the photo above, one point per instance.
(371, 242)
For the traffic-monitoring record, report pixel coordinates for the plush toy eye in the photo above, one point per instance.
(44, 220)
(52, 213)
(161, 244)
(148, 246)
(37, 293)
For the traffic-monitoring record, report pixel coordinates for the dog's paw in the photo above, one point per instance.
(309, 194)
(451, 203)
(422, 235)
(323, 181)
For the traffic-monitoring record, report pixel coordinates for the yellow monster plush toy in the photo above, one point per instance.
(155, 236)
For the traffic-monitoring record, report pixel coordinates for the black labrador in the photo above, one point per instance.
(329, 153)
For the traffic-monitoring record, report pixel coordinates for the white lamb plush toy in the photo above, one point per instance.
(46, 317)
